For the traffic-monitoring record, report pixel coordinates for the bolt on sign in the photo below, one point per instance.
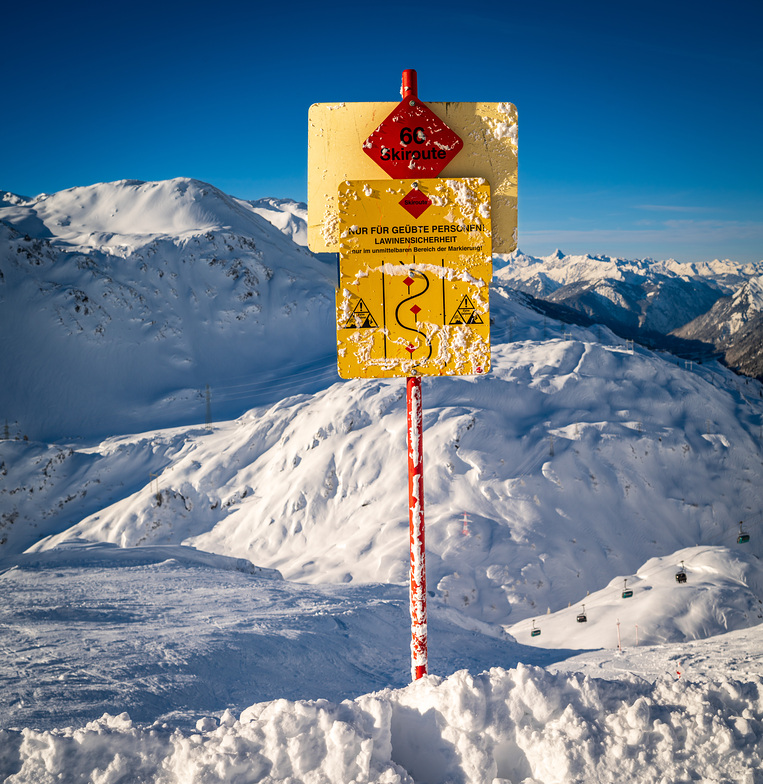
(415, 268)
(351, 141)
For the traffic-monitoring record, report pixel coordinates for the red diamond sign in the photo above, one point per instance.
(412, 142)
(415, 202)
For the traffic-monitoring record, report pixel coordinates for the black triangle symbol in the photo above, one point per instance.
(466, 313)
(361, 318)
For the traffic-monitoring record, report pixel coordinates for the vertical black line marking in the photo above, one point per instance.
(384, 310)
(444, 316)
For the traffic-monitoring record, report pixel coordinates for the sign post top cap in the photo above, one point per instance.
(409, 87)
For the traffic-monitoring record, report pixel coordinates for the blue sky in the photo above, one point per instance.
(640, 124)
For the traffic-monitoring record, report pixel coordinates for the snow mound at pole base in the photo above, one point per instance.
(523, 726)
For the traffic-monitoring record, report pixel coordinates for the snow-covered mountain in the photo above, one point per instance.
(566, 435)
(694, 309)
(288, 216)
(178, 569)
(121, 302)
(734, 326)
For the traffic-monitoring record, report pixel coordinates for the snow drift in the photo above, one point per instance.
(525, 725)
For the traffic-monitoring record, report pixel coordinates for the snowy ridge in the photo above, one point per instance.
(286, 215)
(562, 269)
(76, 552)
(130, 213)
(734, 325)
(749, 297)
(723, 592)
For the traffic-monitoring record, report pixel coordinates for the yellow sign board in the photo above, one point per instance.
(336, 133)
(414, 274)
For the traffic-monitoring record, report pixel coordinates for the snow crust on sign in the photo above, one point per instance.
(228, 603)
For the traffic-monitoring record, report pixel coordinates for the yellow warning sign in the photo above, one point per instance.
(414, 274)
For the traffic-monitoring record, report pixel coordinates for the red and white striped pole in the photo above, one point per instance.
(418, 598)
(418, 601)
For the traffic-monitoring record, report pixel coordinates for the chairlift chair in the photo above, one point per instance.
(534, 632)
(743, 537)
(582, 617)
(627, 592)
(681, 576)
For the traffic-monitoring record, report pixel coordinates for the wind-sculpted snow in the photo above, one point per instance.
(168, 632)
(522, 725)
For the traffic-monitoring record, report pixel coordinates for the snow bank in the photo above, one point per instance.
(522, 725)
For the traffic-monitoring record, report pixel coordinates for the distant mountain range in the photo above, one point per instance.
(699, 311)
